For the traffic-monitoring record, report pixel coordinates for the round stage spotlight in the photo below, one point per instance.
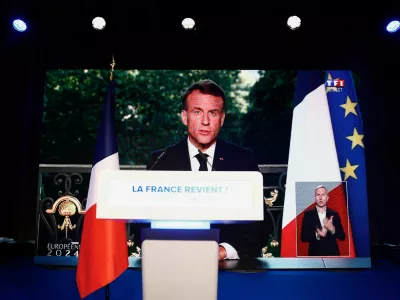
(98, 23)
(393, 26)
(19, 25)
(294, 22)
(188, 23)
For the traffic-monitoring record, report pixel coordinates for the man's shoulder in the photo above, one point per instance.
(225, 146)
(170, 148)
(331, 211)
(233, 147)
(310, 211)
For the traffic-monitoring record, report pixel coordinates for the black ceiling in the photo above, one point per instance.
(149, 33)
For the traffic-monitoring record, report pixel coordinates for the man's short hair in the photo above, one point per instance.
(207, 87)
(321, 186)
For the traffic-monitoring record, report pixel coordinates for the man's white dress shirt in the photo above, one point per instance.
(231, 252)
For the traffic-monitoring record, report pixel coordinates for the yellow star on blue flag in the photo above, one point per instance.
(356, 139)
(349, 107)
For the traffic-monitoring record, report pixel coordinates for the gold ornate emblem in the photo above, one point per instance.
(133, 251)
(266, 254)
(264, 250)
(274, 243)
(66, 206)
(274, 195)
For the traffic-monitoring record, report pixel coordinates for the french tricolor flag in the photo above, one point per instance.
(326, 147)
(103, 252)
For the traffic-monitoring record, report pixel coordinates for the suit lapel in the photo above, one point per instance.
(317, 221)
(182, 156)
(218, 161)
(328, 213)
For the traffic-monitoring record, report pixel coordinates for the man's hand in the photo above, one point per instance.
(222, 253)
(322, 232)
(328, 223)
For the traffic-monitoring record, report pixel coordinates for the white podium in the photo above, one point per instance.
(182, 267)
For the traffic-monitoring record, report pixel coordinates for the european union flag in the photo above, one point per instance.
(348, 132)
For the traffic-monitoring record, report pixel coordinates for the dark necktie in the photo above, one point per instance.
(203, 163)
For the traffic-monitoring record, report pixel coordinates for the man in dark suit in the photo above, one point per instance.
(203, 112)
(321, 227)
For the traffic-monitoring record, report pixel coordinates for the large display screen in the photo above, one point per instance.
(302, 130)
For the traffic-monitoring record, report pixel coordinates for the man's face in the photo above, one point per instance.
(321, 197)
(204, 118)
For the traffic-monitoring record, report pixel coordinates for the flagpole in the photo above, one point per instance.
(112, 67)
(111, 78)
(108, 291)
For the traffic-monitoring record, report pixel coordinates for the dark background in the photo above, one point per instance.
(250, 36)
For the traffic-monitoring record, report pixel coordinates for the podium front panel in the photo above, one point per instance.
(180, 195)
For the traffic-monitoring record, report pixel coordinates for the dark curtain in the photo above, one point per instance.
(379, 99)
(22, 100)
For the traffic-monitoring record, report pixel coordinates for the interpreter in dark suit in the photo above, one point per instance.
(203, 112)
(321, 227)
